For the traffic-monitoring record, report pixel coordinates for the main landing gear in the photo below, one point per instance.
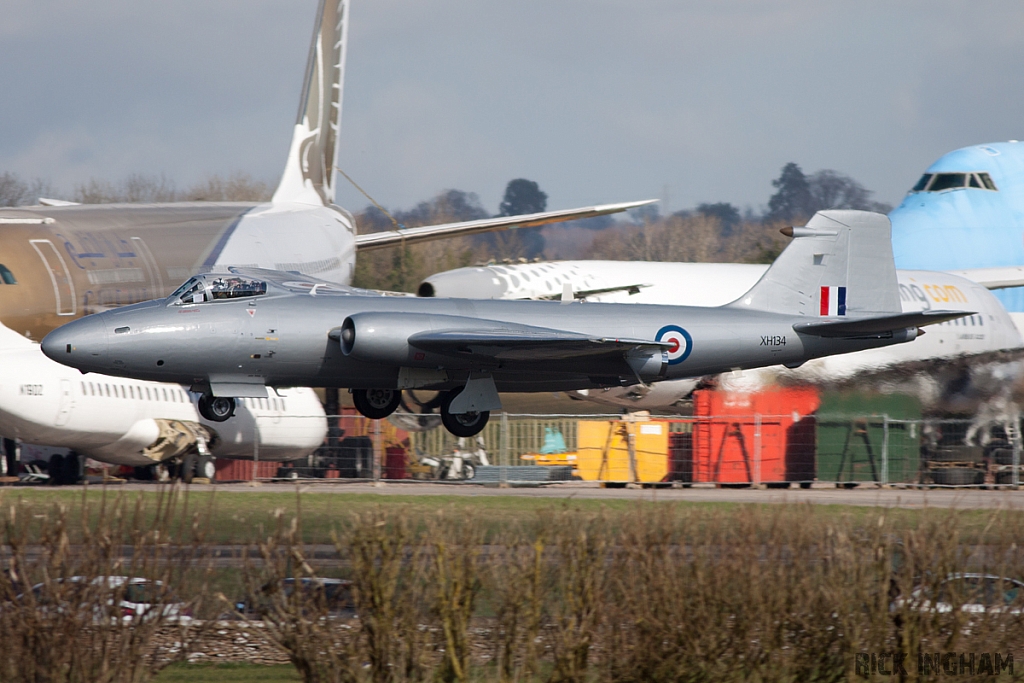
(216, 408)
(194, 464)
(378, 404)
(65, 470)
(462, 424)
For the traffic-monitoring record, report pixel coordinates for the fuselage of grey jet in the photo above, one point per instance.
(293, 336)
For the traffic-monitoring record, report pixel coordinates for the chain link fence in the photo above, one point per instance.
(755, 449)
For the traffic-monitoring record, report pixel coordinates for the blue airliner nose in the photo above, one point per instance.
(80, 344)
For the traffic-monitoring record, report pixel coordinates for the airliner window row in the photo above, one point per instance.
(163, 394)
(957, 322)
(938, 182)
(133, 392)
(264, 403)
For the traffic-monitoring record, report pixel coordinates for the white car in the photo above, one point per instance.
(974, 593)
(138, 596)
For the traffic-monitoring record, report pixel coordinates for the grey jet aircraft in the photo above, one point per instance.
(832, 290)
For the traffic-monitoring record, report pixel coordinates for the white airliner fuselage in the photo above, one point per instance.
(118, 421)
(715, 284)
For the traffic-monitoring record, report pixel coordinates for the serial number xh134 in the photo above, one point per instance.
(236, 334)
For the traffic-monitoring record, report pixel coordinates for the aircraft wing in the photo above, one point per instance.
(863, 327)
(390, 238)
(994, 278)
(525, 343)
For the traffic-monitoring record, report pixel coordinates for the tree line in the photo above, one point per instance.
(710, 232)
(136, 188)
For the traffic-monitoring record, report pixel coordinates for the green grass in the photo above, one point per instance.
(228, 673)
(243, 517)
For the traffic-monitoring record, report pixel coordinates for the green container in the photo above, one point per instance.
(851, 434)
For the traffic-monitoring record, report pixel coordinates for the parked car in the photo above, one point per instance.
(974, 593)
(336, 595)
(138, 596)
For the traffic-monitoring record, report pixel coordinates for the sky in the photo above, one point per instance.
(597, 101)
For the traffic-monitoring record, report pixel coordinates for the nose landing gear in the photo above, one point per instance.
(216, 408)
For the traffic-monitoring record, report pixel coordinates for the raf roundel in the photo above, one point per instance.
(680, 340)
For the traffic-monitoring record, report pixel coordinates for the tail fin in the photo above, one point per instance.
(841, 264)
(309, 171)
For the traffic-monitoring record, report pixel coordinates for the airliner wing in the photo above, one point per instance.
(864, 327)
(994, 278)
(525, 343)
(380, 240)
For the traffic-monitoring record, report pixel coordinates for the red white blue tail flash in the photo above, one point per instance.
(833, 301)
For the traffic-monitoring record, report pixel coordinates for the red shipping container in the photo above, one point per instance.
(394, 463)
(730, 446)
(241, 470)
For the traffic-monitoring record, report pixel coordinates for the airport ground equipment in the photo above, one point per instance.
(833, 290)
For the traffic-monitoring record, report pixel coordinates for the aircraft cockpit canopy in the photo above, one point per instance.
(939, 182)
(203, 288)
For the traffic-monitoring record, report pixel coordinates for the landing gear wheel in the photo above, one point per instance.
(376, 404)
(216, 408)
(188, 467)
(205, 467)
(72, 469)
(147, 473)
(56, 469)
(465, 424)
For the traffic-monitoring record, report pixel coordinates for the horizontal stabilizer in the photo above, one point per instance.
(391, 238)
(865, 327)
(994, 278)
(525, 343)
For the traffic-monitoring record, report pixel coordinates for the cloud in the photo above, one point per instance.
(598, 100)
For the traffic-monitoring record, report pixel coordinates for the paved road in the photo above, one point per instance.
(819, 494)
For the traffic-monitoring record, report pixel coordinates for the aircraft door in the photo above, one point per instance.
(63, 287)
(65, 403)
(156, 280)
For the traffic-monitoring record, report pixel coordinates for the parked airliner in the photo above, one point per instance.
(966, 213)
(142, 424)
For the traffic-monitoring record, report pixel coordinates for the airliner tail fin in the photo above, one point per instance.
(309, 171)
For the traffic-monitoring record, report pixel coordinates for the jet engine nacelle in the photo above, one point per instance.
(384, 337)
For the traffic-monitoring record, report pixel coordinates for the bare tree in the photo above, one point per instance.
(15, 191)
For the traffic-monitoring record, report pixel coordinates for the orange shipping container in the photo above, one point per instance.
(602, 451)
(732, 445)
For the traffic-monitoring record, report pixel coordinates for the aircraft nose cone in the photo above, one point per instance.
(81, 343)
